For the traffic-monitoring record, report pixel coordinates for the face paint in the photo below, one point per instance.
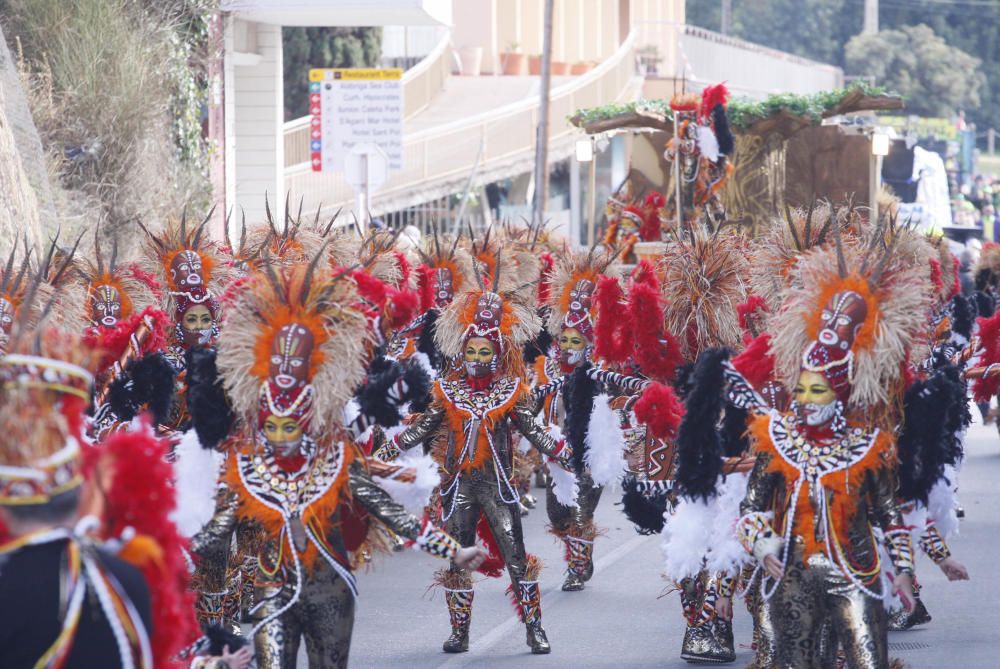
(479, 357)
(197, 325)
(816, 403)
(291, 351)
(185, 270)
(572, 347)
(105, 306)
(283, 434)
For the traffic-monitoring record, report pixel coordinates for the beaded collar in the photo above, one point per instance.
(290, 492)
(814, 459)
(478, 404)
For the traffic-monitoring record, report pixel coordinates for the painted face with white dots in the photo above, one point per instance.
(291, 352)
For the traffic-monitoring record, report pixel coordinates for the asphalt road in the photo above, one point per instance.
(627, 617)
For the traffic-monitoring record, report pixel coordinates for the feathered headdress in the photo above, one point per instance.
(987, 271)
(853, 317)
(187, 264)
(106, 279)
(439, 276)
(494, 311)
(282, 302)
(574, 282)
(290, 243)
(46, 384)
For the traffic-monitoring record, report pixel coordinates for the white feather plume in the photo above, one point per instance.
(942, 501)
(708, 143)
(686, 538)
(916, 520)
(605, 444)
(414, 496)
(727, 553)
(564, 484)
(196, 480)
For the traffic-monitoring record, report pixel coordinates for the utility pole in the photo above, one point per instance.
(727, 17)
(542, 135)
(871, 17)
(991, 139)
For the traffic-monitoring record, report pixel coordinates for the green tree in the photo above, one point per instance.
(307, 48)
(816, 29)
(934, 78)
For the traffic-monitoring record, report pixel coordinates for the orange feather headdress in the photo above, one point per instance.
(881, 306)
(570, 306)
(310, 297)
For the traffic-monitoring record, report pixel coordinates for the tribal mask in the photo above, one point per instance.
(291, 351)
(842, 317)
(107, 306)
(480, 357)
(444, 287)
(186, 271)
(7, 314)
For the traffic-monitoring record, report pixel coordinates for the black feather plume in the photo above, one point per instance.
(578, 401)
(963, 316)
(153, 382)
(985, 304)
(924, 442)
(211, 415)
(699, 449)
(418, 386)
(426, 343)
(733, 433)
(538, 346)
(722, 131)
(643, 508)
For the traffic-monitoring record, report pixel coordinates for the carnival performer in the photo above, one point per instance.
(575, 406)
(294, 354)
(825, 471)
(477, 405)
(78, 603)
(125, 323)
(191, 267)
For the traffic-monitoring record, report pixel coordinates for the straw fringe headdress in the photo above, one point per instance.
(311, 297)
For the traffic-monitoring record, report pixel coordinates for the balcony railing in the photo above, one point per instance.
(438, 160)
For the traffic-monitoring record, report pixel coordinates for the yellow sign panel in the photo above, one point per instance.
(351, 74)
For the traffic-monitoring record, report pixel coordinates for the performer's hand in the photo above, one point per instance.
(773, 566)
(238, 660)
(470, 558)
(953, 569)
(724, 608)
(903, 584)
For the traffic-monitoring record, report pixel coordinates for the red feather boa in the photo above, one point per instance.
(656, 350)
(426, 287)
(113, 342)
(755, 362)
(660, 410)
(747, 309)
(612, 333)
(711, 96)
(545, 282)
(142, 497)
(984, 389)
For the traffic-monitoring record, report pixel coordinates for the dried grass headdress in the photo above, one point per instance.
(295, 241)
(574, 280)
(311, 297)
(102, 273)
(509, 321)
(704, 282)
(879, 305)
(180, 242)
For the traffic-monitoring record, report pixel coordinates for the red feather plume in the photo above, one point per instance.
(612, 333)
(545, 283)
(984, 389)
(712, 96)
(660, 410)
(755, 363)
(142, 497)
(656, 350)
(113, 342)
(747, 309)
(426, 287)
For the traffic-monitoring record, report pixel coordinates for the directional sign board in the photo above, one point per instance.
(354, 106)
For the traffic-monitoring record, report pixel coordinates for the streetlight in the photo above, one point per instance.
(585, 154)
(880, 148)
